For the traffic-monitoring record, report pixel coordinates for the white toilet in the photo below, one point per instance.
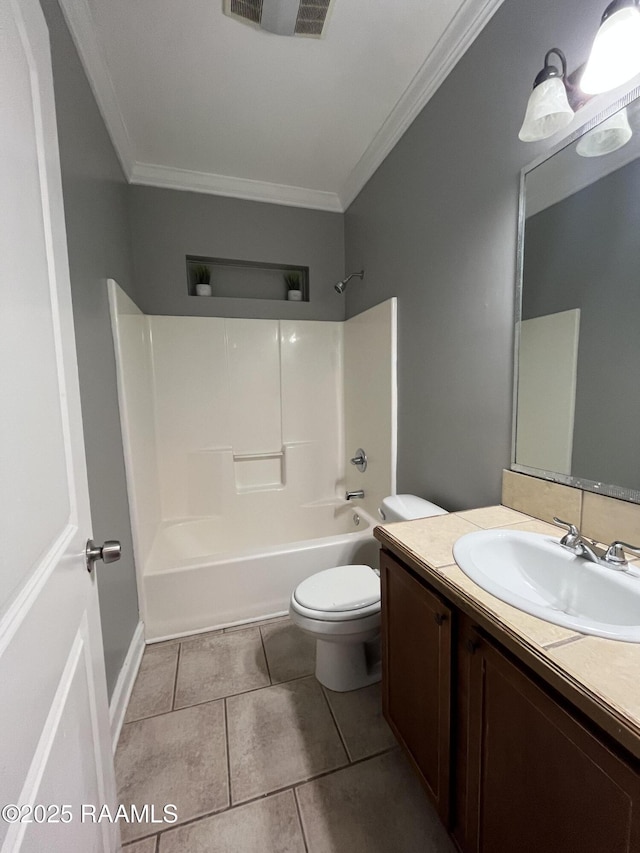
(340, 608)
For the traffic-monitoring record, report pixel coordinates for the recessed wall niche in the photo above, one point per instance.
(238, 279)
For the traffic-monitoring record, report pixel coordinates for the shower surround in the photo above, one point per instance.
(234, 433)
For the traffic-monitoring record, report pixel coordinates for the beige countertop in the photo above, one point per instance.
(600, 677)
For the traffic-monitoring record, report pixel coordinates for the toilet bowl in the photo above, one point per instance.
(340, 609)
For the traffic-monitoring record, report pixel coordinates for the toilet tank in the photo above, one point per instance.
(407, 507)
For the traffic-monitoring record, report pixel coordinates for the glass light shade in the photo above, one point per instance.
(615, 55)
(607, 137)
(548, 111)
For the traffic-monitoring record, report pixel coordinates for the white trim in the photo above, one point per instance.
(151, 175)
(125, 682)
(83, 31)
(21, 605)
(239, 623)
(38, 766)
(466, 26)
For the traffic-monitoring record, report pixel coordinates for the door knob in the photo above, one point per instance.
(108, 553)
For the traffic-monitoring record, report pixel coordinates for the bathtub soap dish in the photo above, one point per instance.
(259, 472)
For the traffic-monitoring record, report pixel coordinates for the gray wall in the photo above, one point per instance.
(437, 227)
(584, 252)
(167, 225)
(96, 213)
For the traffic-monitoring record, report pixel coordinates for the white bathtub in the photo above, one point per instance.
(213, 572)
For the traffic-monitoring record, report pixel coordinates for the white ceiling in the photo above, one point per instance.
(197, 100)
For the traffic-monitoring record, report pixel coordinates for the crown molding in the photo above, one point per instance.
(467, 24)
(83, 31)
(150, 175)
(465, 27)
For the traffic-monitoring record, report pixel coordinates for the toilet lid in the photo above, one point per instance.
(339, 589)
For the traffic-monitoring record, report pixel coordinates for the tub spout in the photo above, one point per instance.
(349, 496)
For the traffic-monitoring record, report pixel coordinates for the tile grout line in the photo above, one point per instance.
(175, 682)
(220, 698)
(176, 826)
(565, 642)
(228, 750)
(304, 837)
(127, 845)
(335, 723)
(264, 652)
(315, 777)
(292, 787)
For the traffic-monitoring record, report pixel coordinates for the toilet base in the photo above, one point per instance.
(348, 666)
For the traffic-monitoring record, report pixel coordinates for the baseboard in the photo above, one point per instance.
(124, 684)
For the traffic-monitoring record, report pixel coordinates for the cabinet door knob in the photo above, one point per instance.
(472, 646)
(439, 617)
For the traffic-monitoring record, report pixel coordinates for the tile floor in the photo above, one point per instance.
(233, 728)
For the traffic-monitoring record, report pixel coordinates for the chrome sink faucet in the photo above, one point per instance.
(349, 496)
(612, 557)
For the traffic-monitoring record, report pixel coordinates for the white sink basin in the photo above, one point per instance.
(535, 574)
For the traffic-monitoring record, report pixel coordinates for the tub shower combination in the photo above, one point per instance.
(194, 581)
(236, 435)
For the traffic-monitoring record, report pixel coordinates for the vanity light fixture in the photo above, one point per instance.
(606, 137)
(615, 55)
(548, 110)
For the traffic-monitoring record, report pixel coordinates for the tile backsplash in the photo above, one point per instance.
(597, 516)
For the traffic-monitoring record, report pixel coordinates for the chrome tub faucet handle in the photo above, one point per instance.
(360, 460)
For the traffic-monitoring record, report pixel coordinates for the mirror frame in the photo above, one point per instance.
(608, 489)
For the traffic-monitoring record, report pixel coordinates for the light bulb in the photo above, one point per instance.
(615, 55)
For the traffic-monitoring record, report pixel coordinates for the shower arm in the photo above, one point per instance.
(340, 286)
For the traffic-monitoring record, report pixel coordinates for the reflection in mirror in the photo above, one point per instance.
(577, 392)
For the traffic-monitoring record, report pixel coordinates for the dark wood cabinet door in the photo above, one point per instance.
(416, 676)
(537, 779)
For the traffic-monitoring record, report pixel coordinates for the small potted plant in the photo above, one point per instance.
(292, 280)
(202, 278)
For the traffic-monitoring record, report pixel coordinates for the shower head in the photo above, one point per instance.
(340, 286)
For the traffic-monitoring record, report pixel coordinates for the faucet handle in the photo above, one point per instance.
(615, 552)
(572, 537)
(360, 460)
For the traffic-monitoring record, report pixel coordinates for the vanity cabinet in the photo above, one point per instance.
(537, 778)
(416, 662)
(526, 771)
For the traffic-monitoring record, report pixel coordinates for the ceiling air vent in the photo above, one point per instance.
(284, 17)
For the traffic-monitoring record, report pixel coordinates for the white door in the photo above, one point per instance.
(55, 752)
(547, 379)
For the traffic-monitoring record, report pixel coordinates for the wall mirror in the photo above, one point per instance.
(577, 342)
